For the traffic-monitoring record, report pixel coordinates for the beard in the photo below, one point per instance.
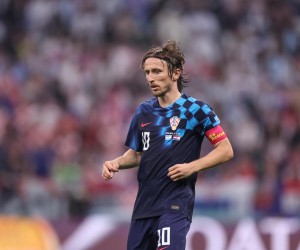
(160, 92)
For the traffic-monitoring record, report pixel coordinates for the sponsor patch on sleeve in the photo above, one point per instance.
(215, 134)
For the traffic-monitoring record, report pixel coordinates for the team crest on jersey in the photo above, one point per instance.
(174, 121)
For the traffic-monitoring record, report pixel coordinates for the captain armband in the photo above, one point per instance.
(215, 134)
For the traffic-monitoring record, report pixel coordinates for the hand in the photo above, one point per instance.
(180, 171)
(109, 168)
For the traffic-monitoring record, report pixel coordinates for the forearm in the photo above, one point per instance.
(129, 159)
(220, 154)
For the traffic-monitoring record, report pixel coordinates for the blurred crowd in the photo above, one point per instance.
(70, 80)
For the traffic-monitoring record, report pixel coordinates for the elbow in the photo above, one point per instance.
(229, 154)
(228, 151)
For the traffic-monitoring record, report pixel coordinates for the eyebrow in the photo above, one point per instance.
(153, 69)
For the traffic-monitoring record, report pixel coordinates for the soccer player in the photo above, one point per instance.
(164, 140)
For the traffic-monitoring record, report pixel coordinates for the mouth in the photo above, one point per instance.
(154, 87)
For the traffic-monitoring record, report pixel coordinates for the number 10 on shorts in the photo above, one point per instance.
(163, 237)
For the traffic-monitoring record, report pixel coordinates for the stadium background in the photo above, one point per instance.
(70, 80)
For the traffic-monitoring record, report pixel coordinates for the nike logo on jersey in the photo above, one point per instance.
(162, 248)
(145, 124)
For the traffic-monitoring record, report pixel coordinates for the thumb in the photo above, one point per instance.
(115, 166)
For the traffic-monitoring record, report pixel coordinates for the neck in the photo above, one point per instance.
(170, 98)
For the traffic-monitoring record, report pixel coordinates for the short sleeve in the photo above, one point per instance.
(133, 139)
(207, 118)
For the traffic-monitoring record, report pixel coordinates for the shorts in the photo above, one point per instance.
(164, 232)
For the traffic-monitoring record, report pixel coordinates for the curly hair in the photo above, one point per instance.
(173, 56)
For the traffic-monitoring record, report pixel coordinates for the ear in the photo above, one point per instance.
(176, 74)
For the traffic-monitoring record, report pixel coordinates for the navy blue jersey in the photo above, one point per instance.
(167, 136)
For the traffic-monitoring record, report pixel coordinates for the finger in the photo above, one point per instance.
(172, 168)
(176, 177)
(113, 167)
(105, 174)
(109, 167)
(174, 174)
(173, 171)
(108, 175)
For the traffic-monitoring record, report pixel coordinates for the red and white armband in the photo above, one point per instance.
(215, 134)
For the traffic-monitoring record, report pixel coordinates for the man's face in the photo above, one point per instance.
(158, 78)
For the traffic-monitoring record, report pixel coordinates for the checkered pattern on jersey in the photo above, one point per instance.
(195, 117)
(193, 114)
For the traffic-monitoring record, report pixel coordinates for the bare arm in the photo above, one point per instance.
(221, 153)
(129, 159)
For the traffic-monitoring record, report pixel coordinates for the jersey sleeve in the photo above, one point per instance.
(207, 118)
(134, 139)
(210, 125)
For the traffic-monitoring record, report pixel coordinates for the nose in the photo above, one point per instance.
(149, 79)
